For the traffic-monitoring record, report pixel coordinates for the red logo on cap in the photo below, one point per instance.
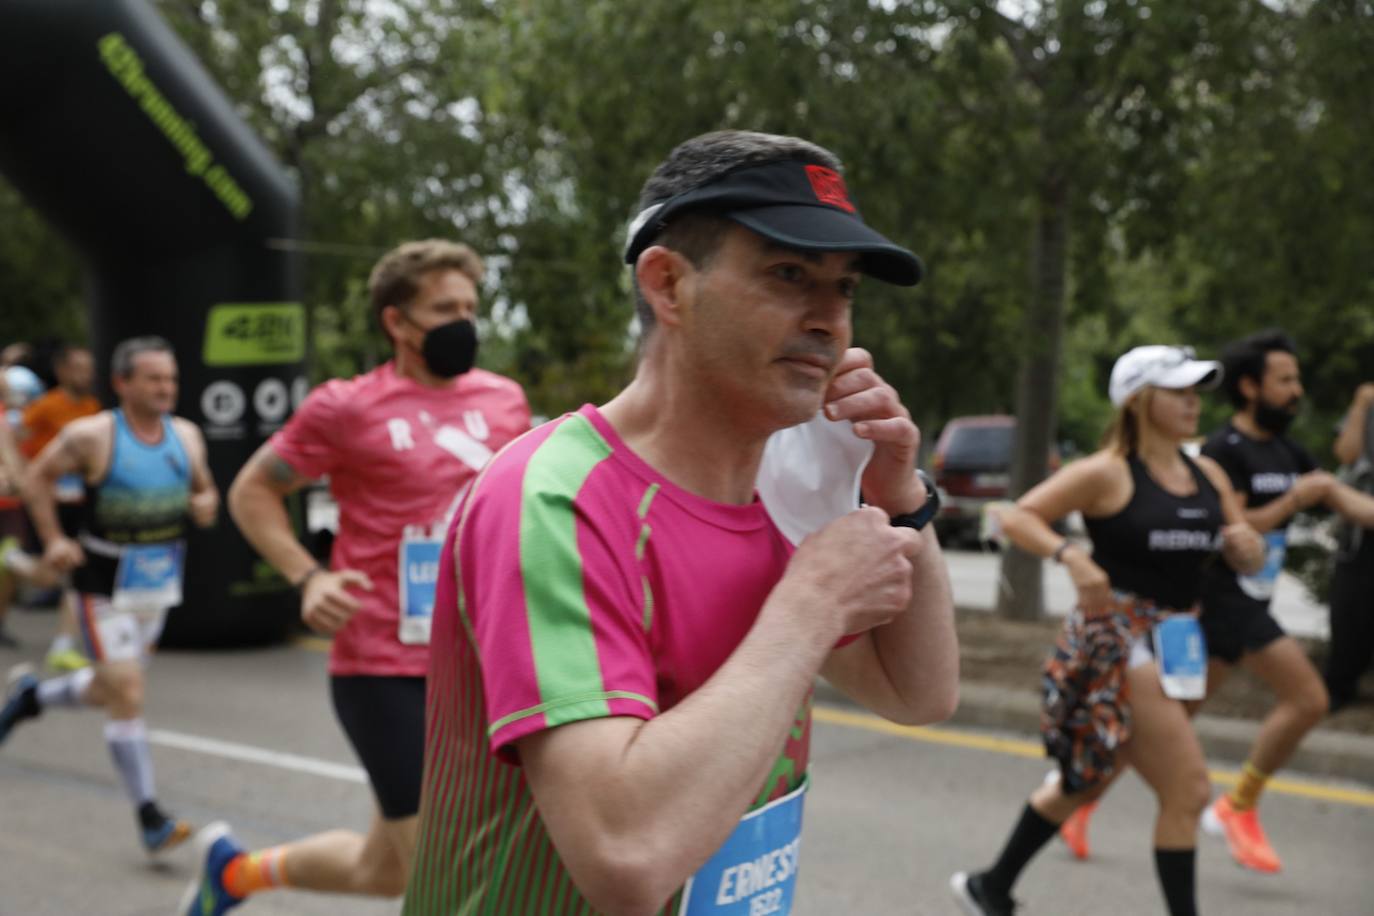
(829, 187)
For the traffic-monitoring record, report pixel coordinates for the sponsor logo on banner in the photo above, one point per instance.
(223, 404)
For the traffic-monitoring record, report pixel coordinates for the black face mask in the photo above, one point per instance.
(1273, 419)
(450, 349)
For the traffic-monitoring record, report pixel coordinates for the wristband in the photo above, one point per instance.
(919, 518)
(299, 584)
(1058, 555)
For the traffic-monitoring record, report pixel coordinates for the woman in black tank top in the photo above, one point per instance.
(1156, 519)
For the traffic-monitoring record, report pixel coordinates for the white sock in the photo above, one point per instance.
(19, 562)
(128, 743)
(61, 643)
(66, 690)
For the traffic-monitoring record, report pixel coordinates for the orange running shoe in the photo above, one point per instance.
(1244, 835)
(1074, 831)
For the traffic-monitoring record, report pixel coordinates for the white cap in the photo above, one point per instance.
(1162, 367)
(24, 386)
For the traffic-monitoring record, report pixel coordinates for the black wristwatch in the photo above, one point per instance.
(922, 516)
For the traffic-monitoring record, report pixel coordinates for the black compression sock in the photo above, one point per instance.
(150, 815)
(1177, 877)
(1031, 834)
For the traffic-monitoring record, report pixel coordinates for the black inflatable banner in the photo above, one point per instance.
(113, 131)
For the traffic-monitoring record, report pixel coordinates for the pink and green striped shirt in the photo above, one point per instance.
(585, 585)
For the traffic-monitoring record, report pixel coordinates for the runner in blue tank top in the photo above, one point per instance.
(1156, 519)
(146, 474)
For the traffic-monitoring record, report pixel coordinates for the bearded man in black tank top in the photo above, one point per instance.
(1275, 478)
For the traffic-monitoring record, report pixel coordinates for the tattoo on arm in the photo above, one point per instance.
(280, 472)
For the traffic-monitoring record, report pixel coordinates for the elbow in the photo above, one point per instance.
(237, 499)
(945, 703)
(625, 878)
(1015, 522)
(938, 705)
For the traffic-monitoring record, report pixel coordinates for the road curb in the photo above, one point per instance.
(1323, 752)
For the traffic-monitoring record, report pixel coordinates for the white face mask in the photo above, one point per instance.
(810, 474)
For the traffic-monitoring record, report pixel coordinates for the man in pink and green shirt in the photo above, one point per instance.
(624, 643)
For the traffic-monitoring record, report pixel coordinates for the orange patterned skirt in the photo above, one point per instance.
(1085, 712)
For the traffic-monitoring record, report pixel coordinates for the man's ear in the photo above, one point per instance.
(392, 320)
(1248, 387)
(662, 275)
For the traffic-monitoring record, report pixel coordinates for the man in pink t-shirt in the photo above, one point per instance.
(399, 445)
(624, 642)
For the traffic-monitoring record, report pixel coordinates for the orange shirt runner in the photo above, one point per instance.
(45, 417)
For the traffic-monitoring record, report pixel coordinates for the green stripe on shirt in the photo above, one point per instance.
(561, 636)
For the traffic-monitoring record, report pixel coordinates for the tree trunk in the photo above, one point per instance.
(1020, 593)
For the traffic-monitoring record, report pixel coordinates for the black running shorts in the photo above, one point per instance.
(1234, 627)
(384, 718)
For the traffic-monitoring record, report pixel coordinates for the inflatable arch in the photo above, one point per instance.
(113, 131)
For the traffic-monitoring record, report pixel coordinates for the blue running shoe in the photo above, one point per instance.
(207, 895)
(22, 701)
(162, 837)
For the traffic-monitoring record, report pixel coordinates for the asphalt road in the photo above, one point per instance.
(249, 737)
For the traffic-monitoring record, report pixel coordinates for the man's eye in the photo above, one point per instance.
(789, 273)
(848, 287)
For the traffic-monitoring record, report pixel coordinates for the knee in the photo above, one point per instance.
(1189, 793)
(384, 879)
(124, 691)
(1311, 704)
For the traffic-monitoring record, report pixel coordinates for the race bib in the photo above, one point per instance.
(417, 572)
(149, 576)
(755, 872)
(1181, 657)
(70, 488)
(1260, 586)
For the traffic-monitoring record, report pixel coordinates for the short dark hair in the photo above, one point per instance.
(122, 362)
(696, 235)
(65, 350)
(396, 277)
(1247, 357)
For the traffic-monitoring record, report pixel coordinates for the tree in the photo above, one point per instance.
(40, 277)
(1097, 108)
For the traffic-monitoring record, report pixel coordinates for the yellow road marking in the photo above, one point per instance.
(1014, 747)
(1019, 748)
(313, 643)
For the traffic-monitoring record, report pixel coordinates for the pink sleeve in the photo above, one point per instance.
(309, 440)
(558, 615)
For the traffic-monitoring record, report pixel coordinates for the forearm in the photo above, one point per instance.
(1030, 532)
(1353, 505)
(10, 460)
(261, 516)
(662, 805)
(39, 499)
(1352, 435)
(1274, 514)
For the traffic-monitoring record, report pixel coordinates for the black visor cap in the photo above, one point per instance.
(794, 204)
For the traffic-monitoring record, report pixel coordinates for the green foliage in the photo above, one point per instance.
(40, 278)
(1214, 156)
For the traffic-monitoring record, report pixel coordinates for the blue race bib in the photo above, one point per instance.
(416, 575)
(70, 488)
(1181, 656)
(1260, 586)
(755, 872)
(149, 576)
